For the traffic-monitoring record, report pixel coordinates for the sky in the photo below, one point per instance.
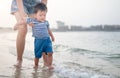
(72, 12)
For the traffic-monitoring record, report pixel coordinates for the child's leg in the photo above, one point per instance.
(36, 61)
(44, 58)
(49, 60)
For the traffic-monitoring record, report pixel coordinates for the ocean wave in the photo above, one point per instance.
(71, 72)
(3, 76)
(63, 48)
(114, 56)
(59, 47)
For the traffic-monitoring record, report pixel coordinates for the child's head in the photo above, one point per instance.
(40, 11)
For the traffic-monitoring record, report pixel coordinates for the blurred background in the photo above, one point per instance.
(87, 37)
(72, 12)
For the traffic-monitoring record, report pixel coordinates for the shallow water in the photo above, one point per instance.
(79, 54)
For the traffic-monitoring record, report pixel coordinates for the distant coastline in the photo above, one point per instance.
(62, 27)
(3, 30)
(73, 28)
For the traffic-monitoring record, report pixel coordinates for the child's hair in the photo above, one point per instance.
(41, 7)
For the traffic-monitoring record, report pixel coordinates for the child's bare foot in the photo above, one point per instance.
(18, 64)
(50, 67)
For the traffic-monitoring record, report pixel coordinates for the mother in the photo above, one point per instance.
(20, 9)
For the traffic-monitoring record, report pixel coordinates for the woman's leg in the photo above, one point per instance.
(20, 41)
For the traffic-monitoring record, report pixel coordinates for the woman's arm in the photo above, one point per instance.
(21, 8)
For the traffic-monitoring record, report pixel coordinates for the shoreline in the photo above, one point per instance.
(57, 30)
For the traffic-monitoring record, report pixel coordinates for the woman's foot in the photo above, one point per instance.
(35, 67)
(18, 64)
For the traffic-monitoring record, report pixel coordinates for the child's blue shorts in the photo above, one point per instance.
(42, 45)
(28, 6)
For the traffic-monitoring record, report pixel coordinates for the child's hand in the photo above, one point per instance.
(31, 24)
(53, 39)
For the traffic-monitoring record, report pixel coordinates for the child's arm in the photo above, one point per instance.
(50, 32)
(29, 21)
(51, 35)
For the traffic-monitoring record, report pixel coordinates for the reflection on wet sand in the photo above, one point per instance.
(42, 74)
(17, 73)
(32, 73)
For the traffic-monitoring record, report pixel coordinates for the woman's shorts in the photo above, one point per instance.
(27, 4)
(42, 45)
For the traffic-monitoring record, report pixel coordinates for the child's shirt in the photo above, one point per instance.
(39, 29)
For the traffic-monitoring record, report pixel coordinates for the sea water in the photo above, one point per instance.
(82, 54)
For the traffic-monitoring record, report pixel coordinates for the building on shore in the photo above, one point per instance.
(62, 27)
(76, 28)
